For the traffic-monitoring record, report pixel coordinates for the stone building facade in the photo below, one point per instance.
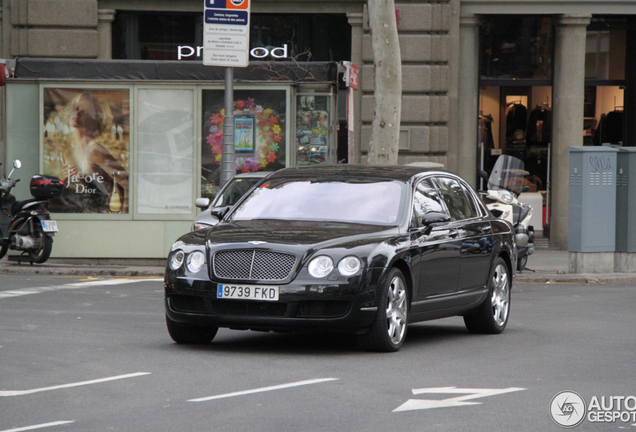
(441, 60)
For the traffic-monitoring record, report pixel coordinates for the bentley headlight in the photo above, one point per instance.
(176, 259)
(349, 265)
(505, 196)
(320, 266)
(196, 260)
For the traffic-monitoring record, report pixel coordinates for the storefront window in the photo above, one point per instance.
(604, 115)
(517, 121)
(605, 56)
(515, 46)
(260, 133)
(605, 49)
(155, 35)
(176, 36)
(312, 129)
(309, 37)
(165, 151)
(86, 144)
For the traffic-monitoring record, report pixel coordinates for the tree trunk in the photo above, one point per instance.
(383, 149)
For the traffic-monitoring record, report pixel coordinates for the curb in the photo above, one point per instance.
(590, 279)
(81, 270)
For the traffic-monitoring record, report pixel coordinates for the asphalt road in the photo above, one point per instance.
(94, 355)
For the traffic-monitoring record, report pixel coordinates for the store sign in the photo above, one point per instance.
(226, 33)
(186, 51)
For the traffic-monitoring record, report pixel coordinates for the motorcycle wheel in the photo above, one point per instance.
(3, 250)
(39, 256)
(521, 263)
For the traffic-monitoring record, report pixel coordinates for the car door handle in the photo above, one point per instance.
(453, 233)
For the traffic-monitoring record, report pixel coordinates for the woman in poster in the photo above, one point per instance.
(98, 182)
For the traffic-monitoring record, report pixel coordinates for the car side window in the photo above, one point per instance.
(455, 198)
(471, 201)
(426, 199)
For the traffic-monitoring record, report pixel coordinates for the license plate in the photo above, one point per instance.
(248, 292)
(49, 225)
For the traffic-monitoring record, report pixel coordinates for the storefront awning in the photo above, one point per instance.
(134, 70)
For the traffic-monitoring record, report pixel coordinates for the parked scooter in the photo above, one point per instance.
(504, 185)
(26, 225)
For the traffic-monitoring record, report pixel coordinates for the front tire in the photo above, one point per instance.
(388, 331)
(492, 316)
(522, 262)
(3, 250)
(191, 335)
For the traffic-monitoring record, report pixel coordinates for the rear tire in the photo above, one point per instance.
(42, 254)
(3, 250)
(388, 331)
(492, 315)
(192, 335)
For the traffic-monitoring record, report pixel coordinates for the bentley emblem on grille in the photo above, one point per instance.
(256, 242)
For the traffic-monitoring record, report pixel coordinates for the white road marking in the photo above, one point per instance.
(470, 393)
(77, 285)
(265, 389)
(63, 386)
(40, 426)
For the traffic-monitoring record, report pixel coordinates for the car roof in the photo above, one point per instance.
(391, 172)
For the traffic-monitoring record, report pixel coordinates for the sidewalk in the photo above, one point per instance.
(544, 266)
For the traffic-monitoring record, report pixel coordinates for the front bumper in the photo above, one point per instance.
(347, 305)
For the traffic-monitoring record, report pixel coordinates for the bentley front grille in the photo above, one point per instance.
(253, 265)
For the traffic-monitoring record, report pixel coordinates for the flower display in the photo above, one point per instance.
(268, 135)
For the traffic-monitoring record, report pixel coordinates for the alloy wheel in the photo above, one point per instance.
(396, 310)
(500, 299)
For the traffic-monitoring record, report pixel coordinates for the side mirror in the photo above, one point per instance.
(17, 164)
(220, 212)
(202, 203)
(432, 218)
(435, 217)
(483, 174)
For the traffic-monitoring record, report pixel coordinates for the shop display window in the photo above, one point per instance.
(312, 129)
(165, 151)
(260, 129)
(516, 121)
(85, 142)
(604, 124)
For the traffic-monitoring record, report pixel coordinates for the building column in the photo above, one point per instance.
(468, 106)
(105, 18)
(357, 33)
(568, 101)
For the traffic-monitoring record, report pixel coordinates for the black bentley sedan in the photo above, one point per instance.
(353, 248)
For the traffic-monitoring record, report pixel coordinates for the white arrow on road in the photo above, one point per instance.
(469, 394)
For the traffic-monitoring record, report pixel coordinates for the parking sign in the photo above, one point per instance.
(226, 33)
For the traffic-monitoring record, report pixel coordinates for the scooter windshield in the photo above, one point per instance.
(508, 174)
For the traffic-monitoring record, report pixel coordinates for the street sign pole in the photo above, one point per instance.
(228, 157)
(226, 37)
